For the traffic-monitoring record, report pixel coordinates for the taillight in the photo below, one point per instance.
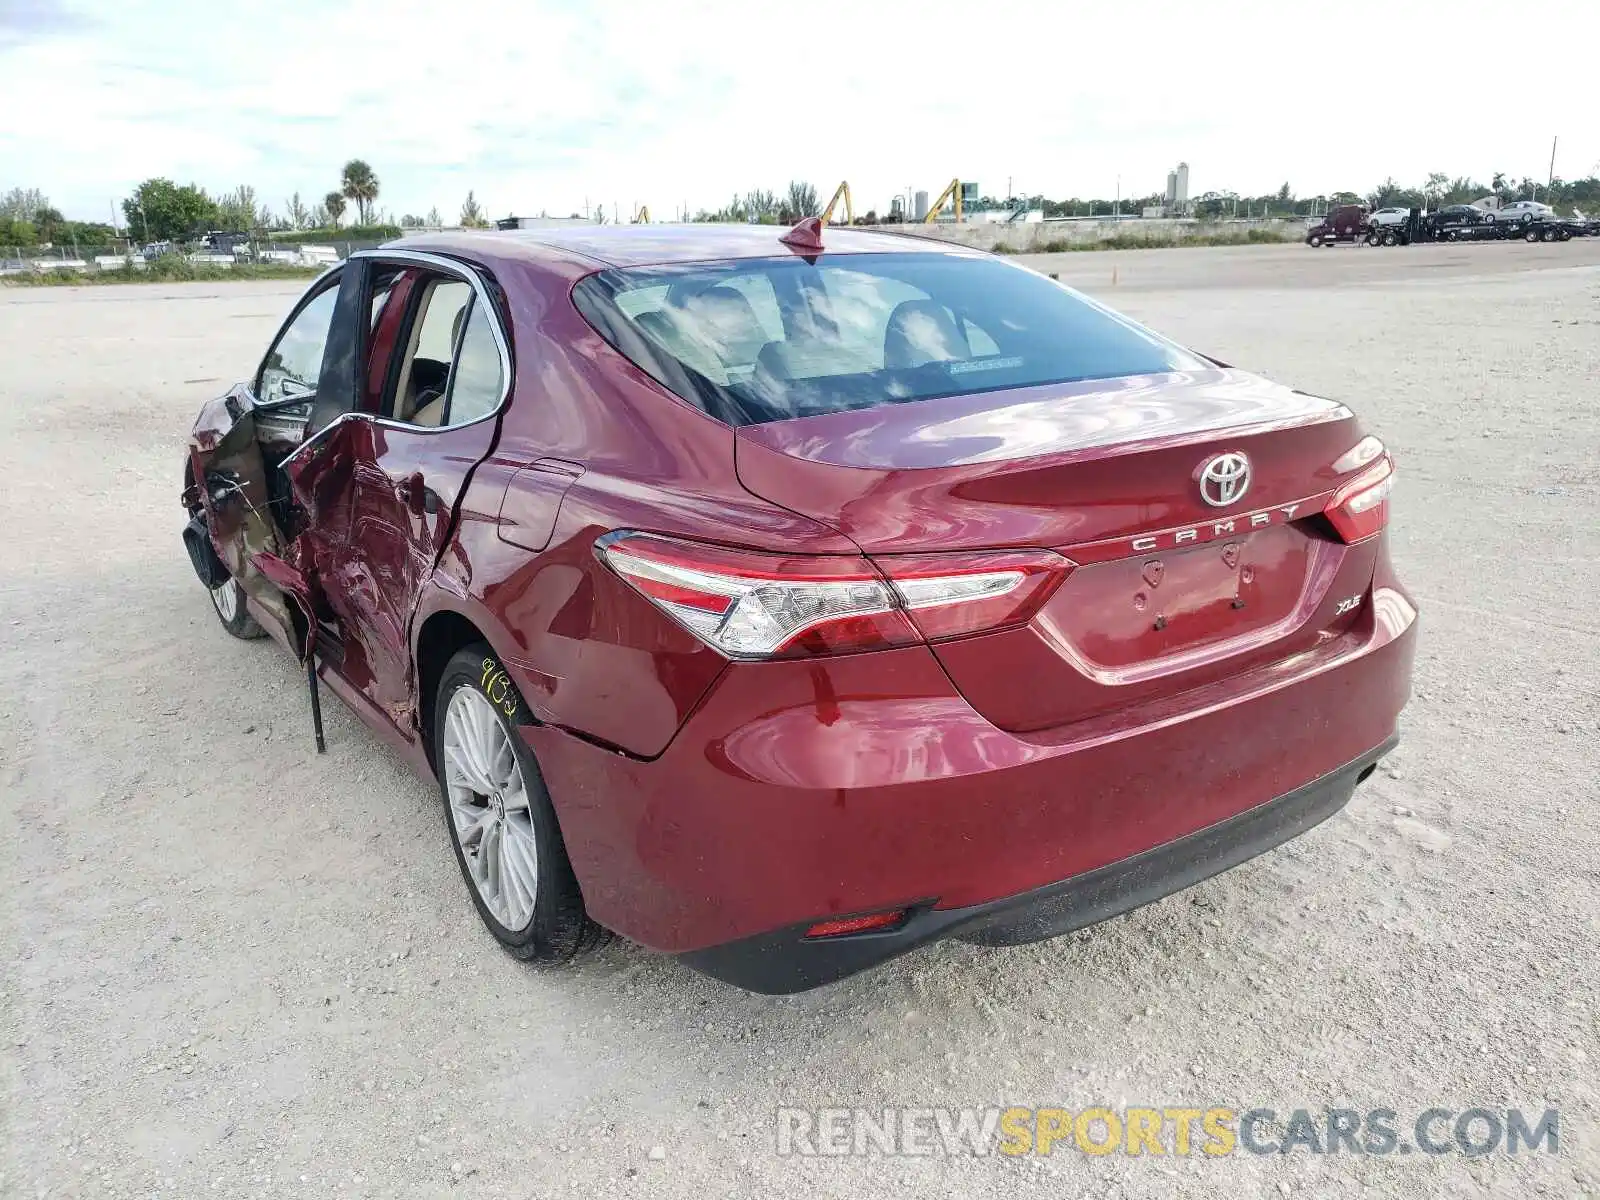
(1359, 455)
(752, 604)
(1360, 508)
(947, 595)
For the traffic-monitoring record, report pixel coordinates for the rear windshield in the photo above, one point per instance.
(768, 339)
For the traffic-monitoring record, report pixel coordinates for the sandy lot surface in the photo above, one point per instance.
(233, 968)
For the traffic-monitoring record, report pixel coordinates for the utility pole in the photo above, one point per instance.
(1550, 182)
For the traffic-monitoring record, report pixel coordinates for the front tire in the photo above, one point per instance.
(228, 601)
(498, 811)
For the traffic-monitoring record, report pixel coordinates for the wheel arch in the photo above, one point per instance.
(439, 636)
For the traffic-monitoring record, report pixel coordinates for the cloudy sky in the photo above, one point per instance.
(546, 104)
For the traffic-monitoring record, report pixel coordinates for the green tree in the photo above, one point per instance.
(50, 223)
(160, 210)
(760, 205)
(472, 213)
(236, 210)
(20, 204)
(434, 219)
(294, 211)
(17, 232)
(800, 202)
(358, 183)
(334, 203)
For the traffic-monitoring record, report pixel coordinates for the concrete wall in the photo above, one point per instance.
(1030, 236)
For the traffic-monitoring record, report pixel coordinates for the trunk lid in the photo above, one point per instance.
(1169, 591)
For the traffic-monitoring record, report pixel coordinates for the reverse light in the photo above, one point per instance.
(751, 604)
(1360, 508)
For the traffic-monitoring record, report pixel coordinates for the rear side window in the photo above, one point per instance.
(477, 385)
(768, 339)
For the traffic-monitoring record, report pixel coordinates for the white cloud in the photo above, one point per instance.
(544, 105)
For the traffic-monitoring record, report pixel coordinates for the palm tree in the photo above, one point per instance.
(334, 203)
(361, 185)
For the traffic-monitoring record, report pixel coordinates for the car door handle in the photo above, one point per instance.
(416, 495)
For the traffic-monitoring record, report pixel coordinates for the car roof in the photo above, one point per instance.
(656, 245)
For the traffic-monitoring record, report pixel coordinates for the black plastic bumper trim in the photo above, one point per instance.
(785, 961)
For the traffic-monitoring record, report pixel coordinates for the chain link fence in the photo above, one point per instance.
(223, 253)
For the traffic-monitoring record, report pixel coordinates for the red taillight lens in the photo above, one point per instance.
(847, 925)
(1360, 508)
(752, 604)
(947, 595)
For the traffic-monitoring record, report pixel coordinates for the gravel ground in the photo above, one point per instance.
(234, 968)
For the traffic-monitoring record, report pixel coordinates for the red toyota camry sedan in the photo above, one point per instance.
(786, 600)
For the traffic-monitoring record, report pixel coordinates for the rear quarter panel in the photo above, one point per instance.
(589, 654)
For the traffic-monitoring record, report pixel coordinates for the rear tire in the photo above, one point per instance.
(1532, 235)
(502, 825)
(1390, 238)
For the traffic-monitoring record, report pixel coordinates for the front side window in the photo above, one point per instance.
(769, 339)
(424, 378)
(293, 364)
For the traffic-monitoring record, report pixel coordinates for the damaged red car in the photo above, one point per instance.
(785, 601)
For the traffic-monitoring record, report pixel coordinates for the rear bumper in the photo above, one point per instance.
(800, 791)
(786, 961)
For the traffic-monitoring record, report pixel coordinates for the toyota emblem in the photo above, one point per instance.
(1224, 479)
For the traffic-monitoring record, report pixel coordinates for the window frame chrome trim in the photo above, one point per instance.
(481, 296)
(313, 289)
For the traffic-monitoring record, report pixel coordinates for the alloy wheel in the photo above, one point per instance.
(225, 598)
(489, 808)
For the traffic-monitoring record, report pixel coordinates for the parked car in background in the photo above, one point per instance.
(788, 600)
(1520, 212)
